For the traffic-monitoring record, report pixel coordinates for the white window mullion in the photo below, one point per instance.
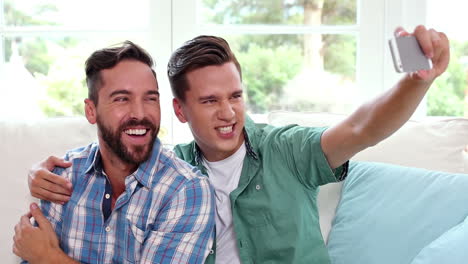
(2, 36)
(184, 25)
(184, 21)
(415, 13)
(407, 14)
(160, 46)
(369, 51)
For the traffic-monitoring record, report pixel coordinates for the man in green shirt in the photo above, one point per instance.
(266, 178)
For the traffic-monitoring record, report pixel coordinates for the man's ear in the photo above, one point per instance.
(178, 111)
(90, 111)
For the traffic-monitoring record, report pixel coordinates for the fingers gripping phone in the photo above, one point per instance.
(407, 55)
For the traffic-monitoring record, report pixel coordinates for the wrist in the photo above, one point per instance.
(413, 80)
(52, 256)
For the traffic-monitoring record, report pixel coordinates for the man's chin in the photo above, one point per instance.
(138, 154)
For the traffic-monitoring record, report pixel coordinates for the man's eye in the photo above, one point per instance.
(120, 99)
(211, 101)
(154, 98)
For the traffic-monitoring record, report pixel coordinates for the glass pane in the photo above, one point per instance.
(44, 76)
(119, 14)
(449, 94)
(297, 72)
(294, 12)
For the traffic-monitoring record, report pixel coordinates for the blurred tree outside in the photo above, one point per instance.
(447, 97)
(274, 71)
(271, 63)
(45, 60)
(305, 65)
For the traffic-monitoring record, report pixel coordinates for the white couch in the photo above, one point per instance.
(435, 144)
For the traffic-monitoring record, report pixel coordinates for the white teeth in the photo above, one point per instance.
(225, 130)
(137, 132)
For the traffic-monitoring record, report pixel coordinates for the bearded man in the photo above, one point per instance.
(133, 200)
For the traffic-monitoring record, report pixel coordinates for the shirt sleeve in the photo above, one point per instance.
(301, 148)
(183, 232)
(53, 211)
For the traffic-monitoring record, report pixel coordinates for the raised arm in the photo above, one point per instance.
(378, 119)
(183, 231)
(45, 185)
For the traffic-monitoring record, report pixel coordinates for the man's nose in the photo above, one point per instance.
(226, 111)
(137, 111)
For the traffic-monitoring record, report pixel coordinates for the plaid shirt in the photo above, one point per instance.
(165, 214)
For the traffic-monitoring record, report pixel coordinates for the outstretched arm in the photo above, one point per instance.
(380, 118)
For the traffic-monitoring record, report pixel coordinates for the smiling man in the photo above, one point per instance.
(134, 201)
(266, 178)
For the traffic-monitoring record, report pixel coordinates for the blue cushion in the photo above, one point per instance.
(451, 247)
(388, 213)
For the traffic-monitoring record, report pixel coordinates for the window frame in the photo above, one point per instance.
(172, 22)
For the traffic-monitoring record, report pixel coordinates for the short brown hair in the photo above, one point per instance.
(197, 53)
(107, 58)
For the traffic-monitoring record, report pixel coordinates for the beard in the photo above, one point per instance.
(113, 139)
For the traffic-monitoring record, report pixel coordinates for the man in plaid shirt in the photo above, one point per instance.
(133, 200)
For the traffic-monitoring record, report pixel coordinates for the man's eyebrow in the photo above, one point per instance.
(153, 92)
(238, 92)
(119, 92)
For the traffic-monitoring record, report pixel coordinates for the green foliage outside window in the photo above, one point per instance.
(446, 97)
(63, 78)
(268, 61)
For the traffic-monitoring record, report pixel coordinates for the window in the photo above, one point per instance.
(308, 55)
(449, 95)
(44, 44)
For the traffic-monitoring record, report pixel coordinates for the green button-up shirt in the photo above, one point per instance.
(274, 207)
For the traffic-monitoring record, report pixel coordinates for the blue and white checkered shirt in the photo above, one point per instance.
(165, 214)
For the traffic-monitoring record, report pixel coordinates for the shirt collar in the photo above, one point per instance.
(145, 171)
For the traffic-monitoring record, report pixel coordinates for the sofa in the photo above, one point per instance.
(437, 147)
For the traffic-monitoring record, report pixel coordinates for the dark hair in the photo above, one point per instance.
(107, 58)
(197, 53)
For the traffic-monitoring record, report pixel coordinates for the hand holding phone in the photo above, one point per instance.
(407, 55)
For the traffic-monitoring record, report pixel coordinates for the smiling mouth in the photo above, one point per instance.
(136, 131)
(226, 129)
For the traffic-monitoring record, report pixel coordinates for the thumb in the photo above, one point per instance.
(39, 217)
(53, 162)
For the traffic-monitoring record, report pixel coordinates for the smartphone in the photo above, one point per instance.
(407, 55)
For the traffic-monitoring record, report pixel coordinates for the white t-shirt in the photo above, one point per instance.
(224, 175)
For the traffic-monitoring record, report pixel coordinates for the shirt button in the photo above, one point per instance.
(258, 187)
(108, 229)
(107, 196)
(211, 252)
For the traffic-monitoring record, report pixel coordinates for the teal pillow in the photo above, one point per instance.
(451, 247)
(389, 213)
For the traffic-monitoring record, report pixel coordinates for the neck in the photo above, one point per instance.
(116, 169)
(212, 156)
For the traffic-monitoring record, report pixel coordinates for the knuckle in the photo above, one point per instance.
(420, 28)
(443, 36)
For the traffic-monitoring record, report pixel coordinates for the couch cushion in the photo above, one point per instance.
(23, 143)
(389, 213)
(448, 248)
